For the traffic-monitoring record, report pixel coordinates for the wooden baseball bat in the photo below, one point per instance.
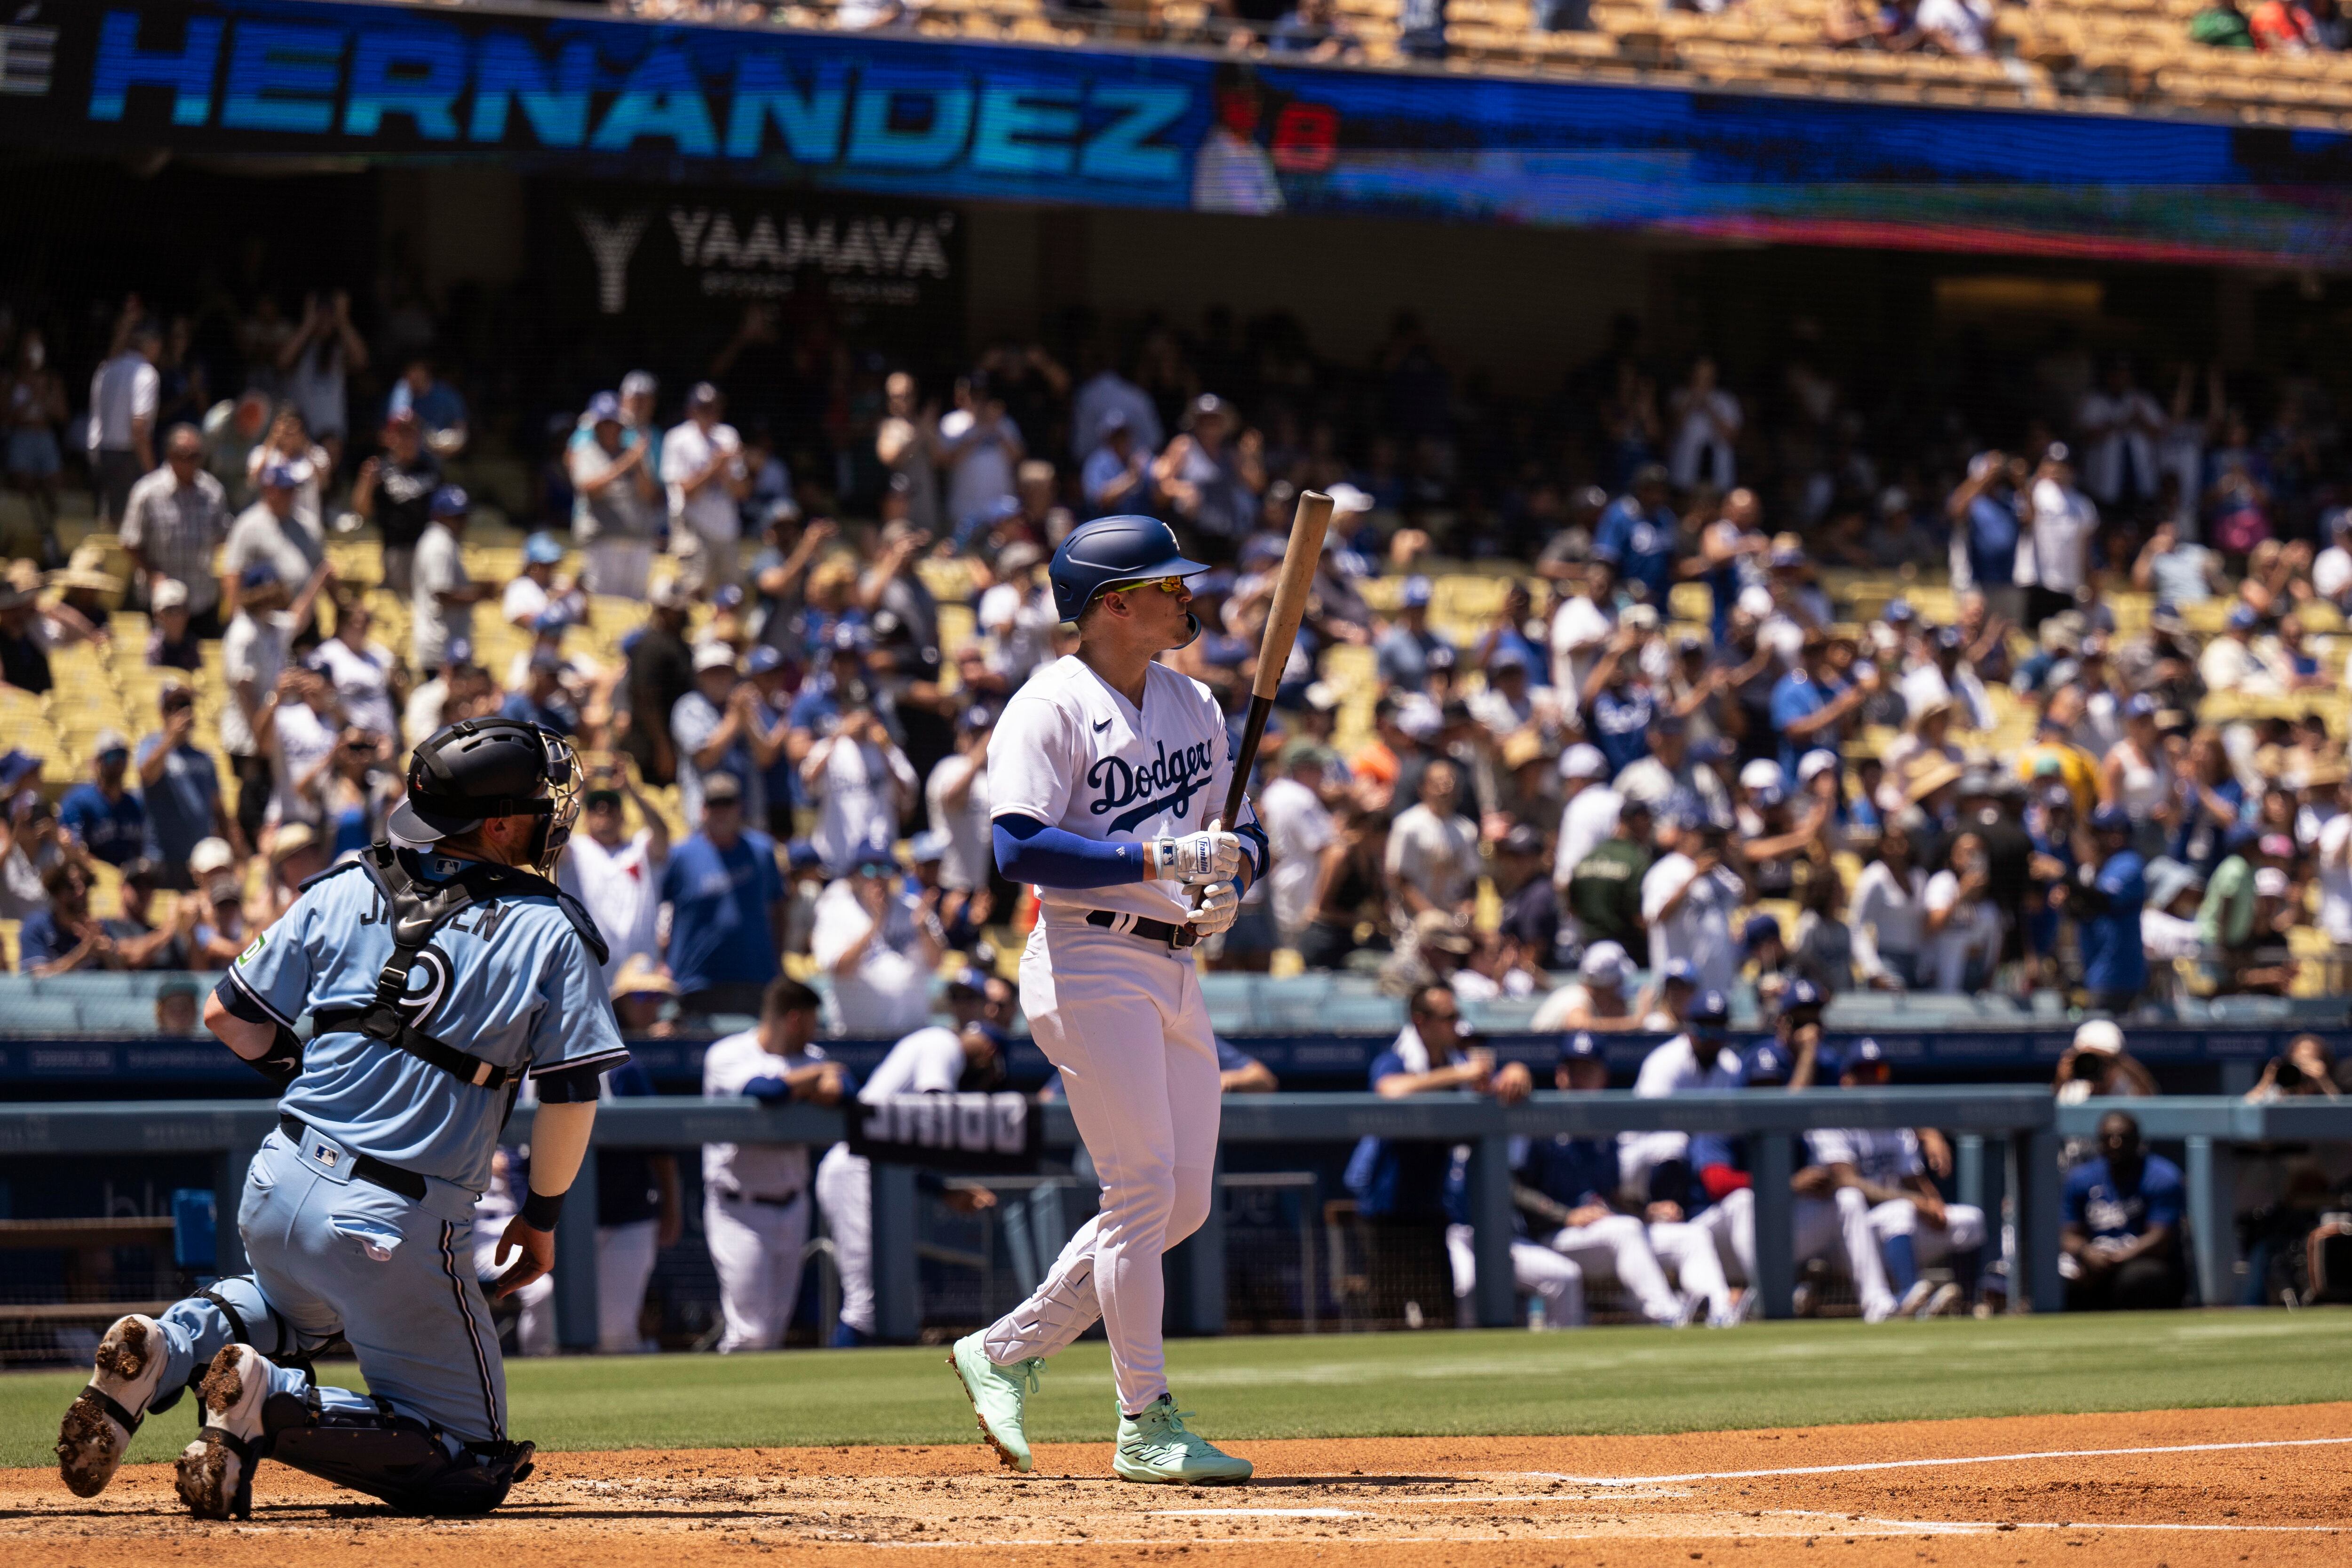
(1300, 557)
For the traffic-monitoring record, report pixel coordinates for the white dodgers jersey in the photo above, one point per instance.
(1073, 753)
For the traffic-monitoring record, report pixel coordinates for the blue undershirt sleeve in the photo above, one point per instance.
(1029, 851)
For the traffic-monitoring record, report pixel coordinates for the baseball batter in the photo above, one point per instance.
(439, 975)
(1102, 775)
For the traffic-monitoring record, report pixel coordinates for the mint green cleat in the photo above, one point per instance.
(997, 1393)
(1154, 1447)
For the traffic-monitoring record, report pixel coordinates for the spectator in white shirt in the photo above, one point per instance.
(879, 944)
(861, 783)
(366, 676)
(1589, 816)
(1100, 397)
(956, 796)
(1017, 613)
(1581, 630)
(1687, 899)
(1297, 827)
(1884, 923)
(2331, 572)
(123, 395)
(617, 874)
(2053, 561)
(2120, 427)
(979, 447)
(1708, 429)
(1432, 853)
(702, 463)
(539, 588)
(441, 613)
(307, 725)
(1961, 921)
(1956, 26)
(613, 499)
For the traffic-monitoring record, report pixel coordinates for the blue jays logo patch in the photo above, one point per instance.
(1139, 793)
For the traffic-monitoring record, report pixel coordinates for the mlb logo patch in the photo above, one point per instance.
(328, 1155)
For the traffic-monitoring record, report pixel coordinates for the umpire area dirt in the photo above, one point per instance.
(2151, 1489)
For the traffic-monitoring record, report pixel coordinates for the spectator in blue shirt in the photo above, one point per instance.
(1400, 1185)
(1984, 510)
(544, 701)
(1117, 475)
(726, 900)
(2122, 1235)
(1618, 703)
(436, 404)
(1810, 704)
(1404, 656)
(64, 936)
(2106, 899)
(105, 816)
(179, 790)
(1636, 536)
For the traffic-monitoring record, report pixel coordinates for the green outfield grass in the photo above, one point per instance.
(1631, 1379)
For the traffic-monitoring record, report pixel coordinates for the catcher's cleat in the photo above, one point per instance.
(216, 1471)
(99, 1425)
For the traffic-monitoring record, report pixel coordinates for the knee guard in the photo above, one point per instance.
(396, 1458)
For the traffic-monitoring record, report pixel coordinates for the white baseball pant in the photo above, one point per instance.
(1841, 1228)
(1687, 1249)
(1618, 1248)
(535, 1324)
(1123, 1019)
(756, 1250)
(844, 1192)
(625, 1263)
(1963, 1227)
(1832, 1230)
(1535, 1268)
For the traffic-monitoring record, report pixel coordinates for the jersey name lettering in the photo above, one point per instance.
(1141, 794)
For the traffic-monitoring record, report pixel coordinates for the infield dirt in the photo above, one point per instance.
(2264, 1486)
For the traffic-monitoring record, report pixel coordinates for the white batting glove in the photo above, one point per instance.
(1221, 905)
(1211, 855)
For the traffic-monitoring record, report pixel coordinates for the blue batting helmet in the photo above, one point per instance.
(1110, 551)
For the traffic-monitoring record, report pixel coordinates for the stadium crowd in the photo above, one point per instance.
(1633, 704)
(1664, 742)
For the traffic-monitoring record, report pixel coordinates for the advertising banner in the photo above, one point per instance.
(613, 99)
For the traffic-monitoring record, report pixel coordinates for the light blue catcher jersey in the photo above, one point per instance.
(508, 980)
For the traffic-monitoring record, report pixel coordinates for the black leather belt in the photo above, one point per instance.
(366, 1167)
(1151, 930)
(787, 1201)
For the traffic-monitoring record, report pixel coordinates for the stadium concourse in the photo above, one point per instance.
(2278, 62)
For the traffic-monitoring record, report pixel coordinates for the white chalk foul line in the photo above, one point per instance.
(1982, 1526)
(1255, 1513)
(1921, 1463)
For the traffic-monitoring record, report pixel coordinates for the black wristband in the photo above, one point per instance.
(540, 1211)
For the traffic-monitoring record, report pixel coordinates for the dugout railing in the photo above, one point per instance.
(2007, 1142)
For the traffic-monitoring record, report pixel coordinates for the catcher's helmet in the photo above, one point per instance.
(480, 768)
(1110, 551)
